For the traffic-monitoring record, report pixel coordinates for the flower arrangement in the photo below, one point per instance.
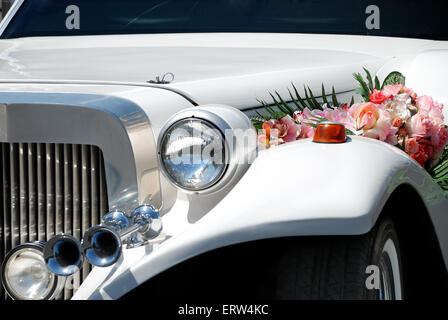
(391, 112)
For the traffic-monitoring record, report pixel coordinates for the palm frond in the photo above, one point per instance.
(299, 98)
(324, 95)
(333, 97)
(286, 105)
(257, 123)
(316, 104)
(298, 106)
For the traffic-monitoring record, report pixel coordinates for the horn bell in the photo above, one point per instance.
(101, 246)
(63, 255)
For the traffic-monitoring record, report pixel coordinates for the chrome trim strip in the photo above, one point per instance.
(119, 127)
(11, 13)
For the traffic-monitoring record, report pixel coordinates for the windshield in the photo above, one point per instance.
(401, 18)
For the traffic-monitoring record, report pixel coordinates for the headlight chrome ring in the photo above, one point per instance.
(233, 129)
(25, 275)
(203, 158)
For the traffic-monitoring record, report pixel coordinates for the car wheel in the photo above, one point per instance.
(355, 267)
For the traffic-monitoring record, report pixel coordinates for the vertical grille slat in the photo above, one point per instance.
(76, 223)
(86, 205)
(47, 189)
(68, 203)
(32, 193)
(14, 193)
(6, 204)
(2, 216)
(50, 187)
(59, 194)
(59, 189)
(23, 192)
(95, 188)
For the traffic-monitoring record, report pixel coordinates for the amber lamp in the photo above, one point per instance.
(330, 132)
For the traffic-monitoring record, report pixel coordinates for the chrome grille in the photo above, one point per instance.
(47, 189)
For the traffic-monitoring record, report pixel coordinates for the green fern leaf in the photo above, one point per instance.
(335, 100)
(298, 106)
(316, 104)
(324, 96)
(308, 99)
(299, 98)
(287, 106)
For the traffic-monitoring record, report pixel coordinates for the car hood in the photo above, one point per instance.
(234, 69)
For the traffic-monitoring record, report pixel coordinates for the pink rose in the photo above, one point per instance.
(306, 131)
(374, 121)
(292, 129)
(397, 122)
(342, 115)
(420, 125)
(392, 89)
(365, 115)
(439, 139)
(299, 116)
(425, 151)
(410, 92)
(280, 131)
(433, 108)
(412, 146)
(378, 96)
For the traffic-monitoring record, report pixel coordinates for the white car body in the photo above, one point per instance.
(235, 70)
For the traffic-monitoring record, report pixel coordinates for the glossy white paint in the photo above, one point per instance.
(363, 174)
(232, 69)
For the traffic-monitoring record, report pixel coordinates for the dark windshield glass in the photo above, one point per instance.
(403, 18)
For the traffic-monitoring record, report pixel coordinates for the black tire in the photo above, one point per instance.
(335, 268)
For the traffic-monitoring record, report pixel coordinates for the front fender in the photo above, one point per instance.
(297, 189)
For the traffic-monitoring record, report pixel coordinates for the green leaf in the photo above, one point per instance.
(394, 77)
(352, 102)
(363, 90)
(377, 83)
(298, 106)
(287, 106)
(280, 107)
(369, 78)
(324, 96)
(264, 116)
(308, 99)
(349, 132)
(314, 101)
(258, 124)
(335, 100)
(299, 98)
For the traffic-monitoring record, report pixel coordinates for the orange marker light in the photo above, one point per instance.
(330, 132)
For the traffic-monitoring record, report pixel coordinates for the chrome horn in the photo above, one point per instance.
(62, 254)
(102, 244)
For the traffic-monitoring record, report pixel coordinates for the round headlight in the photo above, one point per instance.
(25, 275)
(193, 154)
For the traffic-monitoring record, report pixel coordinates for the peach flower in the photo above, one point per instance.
(374, 121)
